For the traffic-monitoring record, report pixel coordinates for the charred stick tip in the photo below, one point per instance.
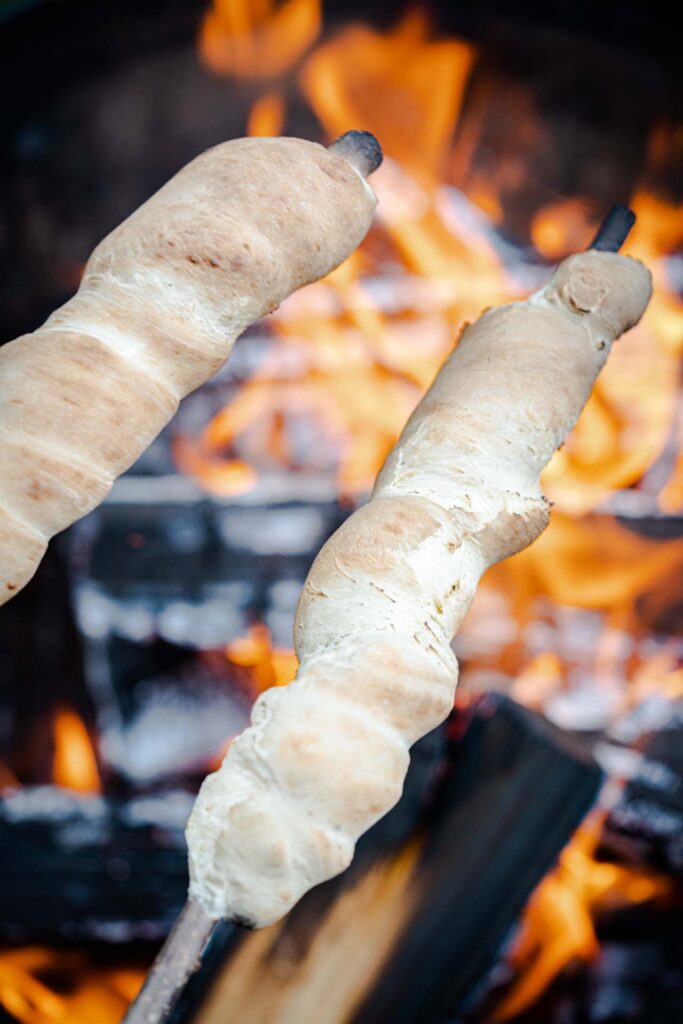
(360, 149)
(612, 233)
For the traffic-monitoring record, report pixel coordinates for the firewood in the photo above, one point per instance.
(80, 867)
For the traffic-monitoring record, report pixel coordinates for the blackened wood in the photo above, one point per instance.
(78, 867)
(40, 670)
(517, 790)
(646, 825)
(411, 928)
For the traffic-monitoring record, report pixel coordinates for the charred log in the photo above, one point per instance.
(78, 867)
(646, 826)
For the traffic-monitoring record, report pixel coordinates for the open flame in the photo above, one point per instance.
(557, 927)
(265, 664)
(365, 359)
(350, 358)
(404, 87)
(86, 993)
(257, 38)
(354, 353)
(74, 763)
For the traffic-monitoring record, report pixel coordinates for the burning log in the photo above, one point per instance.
(82, 867)
(413, 925)
(646, 825)
(162, 590)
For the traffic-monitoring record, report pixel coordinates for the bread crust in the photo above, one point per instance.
(326, 757)
(162, 300)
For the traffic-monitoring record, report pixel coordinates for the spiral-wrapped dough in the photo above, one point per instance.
(326, 757)
(161, 302)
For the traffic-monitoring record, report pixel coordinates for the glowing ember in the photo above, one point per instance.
(75, 764)
(7, 777)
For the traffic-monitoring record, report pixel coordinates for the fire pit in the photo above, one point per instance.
(134, 656)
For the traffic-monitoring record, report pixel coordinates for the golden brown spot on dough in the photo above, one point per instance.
(279, 852)
(332, 170)
(11, 586)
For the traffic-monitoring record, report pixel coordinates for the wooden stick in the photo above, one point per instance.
(178, 959)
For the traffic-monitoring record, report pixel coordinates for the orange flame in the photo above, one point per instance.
(401, 86)
(557, 927)
(204, 459)
(350, 360)
(348, 365)
(347, 368)
(266, 665)
(267, 115)
(562, 228)
(258, 38)
(90, 993)
(7, 777)
(74, 764)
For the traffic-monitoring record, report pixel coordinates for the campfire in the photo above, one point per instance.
(133, 659)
